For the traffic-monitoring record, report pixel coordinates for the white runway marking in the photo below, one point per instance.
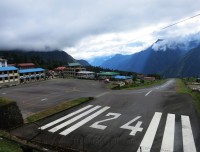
(64, 124)
(148, 93)
(134, 129)
(44, 99)
(65, 117)
(102, 127)
(188, 139)
(150, 133)
(168, 137)
(86, 114)
(84, 121)
(102, 94)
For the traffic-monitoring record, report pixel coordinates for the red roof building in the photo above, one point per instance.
(26, 65)
(140, 76)
(60, 68)
(11, 64)
(149, 78)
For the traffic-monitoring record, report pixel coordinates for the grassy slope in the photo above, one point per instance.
(8, 146)
(4, 101)
(11, 146)
(182, 88)
(142, 85)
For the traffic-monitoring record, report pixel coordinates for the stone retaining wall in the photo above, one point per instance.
(10, 116)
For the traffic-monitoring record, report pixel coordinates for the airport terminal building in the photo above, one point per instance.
(10, 75)
(72, 69)
(31, 75)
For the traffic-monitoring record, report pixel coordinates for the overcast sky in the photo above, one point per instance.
(89, 28)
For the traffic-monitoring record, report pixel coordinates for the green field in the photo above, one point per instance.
(139, 85)
(8, 146)
(4, 101)
(181, 87)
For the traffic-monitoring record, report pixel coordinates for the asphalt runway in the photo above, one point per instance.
(34, 97)
(156, 119)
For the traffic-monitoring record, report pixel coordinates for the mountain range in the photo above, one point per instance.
(83, 62)
(187, 66)
(170, 58)
(98, 61)
(45, 59)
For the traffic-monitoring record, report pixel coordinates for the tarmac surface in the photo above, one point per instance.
(34, 97)
(155, 119)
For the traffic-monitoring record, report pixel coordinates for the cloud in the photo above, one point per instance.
(186, 42)
(108, 45)
(135, 44)
(77, 24)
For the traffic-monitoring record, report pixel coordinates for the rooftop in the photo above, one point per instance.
(31, 70)
(60, 68)
(2, 60)
(9, 68)
(11, 64)
(108, 73)
(25, 64)
(85, 72)
(122, 77)
(74, 64)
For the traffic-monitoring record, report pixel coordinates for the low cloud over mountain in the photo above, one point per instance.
(183, 43)
(171, 58)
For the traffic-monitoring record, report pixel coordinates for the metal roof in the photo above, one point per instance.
(85, 72)
(108, 73)
(31, 70)
(60, 68)
(74, 64)
(26, 64)
(8, 68)
(3, 60)
(122, 77)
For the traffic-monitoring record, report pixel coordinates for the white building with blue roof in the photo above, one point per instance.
(30, 75)
(8, 74)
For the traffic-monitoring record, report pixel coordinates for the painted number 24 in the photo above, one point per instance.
(134, 129)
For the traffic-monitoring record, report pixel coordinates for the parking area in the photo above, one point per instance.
(35, 97)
